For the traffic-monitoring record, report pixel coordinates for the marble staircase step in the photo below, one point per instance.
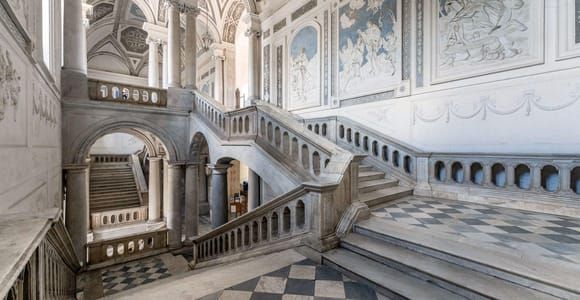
(542, 276)
(386, 280)
(455, 278)
(381, 196)
(114, 188)
(365, 168)
(114, 193)
(378, 184)
(370, 175)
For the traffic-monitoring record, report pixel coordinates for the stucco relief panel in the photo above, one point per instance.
(45, 110)
(568, 29)
(12, 98)
(305, 68)
(476, 37)
(20, 8)
(369, 46)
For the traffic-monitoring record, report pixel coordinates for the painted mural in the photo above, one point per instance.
(368, 47)
(482, 35)
(305, 69)
(577, 21)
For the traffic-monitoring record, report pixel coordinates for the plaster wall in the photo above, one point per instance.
(117, 143)
(524, 101)
(30, 114)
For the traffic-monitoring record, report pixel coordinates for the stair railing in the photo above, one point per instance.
(307, 214)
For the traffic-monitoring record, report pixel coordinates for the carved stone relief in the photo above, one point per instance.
(577, 21)
(267, 74)
(9, 85)
(101, 10)
(475, 37)
(134, 40)
(20, 10)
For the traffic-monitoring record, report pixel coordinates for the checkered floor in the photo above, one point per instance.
(550, 236)
(131, 275)
(302, 280)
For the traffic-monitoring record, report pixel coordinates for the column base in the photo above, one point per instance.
(74, 84)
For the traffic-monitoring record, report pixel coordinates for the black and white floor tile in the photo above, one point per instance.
(550, 236)
(302, 280)
(131, 275)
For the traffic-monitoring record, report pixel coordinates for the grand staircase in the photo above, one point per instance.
(375, 189)
(112, 186)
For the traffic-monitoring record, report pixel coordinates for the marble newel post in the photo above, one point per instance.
(191, 14)
(254, 62)
(175, 185)
(192, 188)
(74, 69)
(173, 44)
(77, 207)
(253, 190)
(219, 195)
(154, 189)
(153, 62)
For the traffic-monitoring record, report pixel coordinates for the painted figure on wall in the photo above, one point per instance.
(9, 84)
(577, 21)
(473, 32)
(305, 69)
(368, 45)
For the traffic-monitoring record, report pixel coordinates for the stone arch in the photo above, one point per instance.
(83, 143)
(198, 148)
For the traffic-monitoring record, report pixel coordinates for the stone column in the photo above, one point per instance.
(174, 45)
(175, 176)
(154, 189)
(165, 75)
(203, 199)
(166, 189)
(77, 208)
(192, 190)
(153, 62)
(191, 47)
(219, 57)
(254, 61)
(253, 190)
(219, 195)
(74, 69)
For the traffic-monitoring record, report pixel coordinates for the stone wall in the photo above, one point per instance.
(30, 114)
(425, 74)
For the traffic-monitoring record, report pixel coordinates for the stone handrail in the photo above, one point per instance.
(118, 217)
(126, 248)
(125, 93)
(546, 178)
(140, 181)
(308, 213)
(46, 264)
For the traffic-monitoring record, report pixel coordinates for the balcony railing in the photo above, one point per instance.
(127, 248)
(126, 94)
(119, 217)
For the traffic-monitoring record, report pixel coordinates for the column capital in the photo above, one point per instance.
(154, 158)
(154, 41)
(188, 9)
(219, 169)
(76, 167)
(253, 33)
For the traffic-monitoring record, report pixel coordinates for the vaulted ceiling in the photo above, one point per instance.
(117, 42)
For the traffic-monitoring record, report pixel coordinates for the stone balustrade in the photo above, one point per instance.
(118, 217)
(124, 248)
(128, 94)
(389, 155)
(282, 219)
(110, 158)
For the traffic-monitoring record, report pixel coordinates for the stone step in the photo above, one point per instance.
(386, 280)
(113, 198)
(115, 188)
(381, 196)
(111, 170)
(365, 168)
(455, 278)
(111, 176)
(116, 174)
(539, 275)
(373, 185)
(119, 185)
(370, 175)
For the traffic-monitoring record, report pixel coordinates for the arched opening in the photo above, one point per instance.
(341, 132)
(366, 143)
(357, 139)
(375, 148)
(317, 129)
(324, 129)
(550, 178)
(274, 221)
(264, 229)
(270, 132)
(199, 153)
(575, 180)
(247, 235)
(286, 143)
(349, 135)
(316, 163)
(255, 232)
(277, 137)
(385, 153)
(239, 238)
(498, 175)
(523, 177)
(440, 171)
(300, 214)
(408, 164)
(263, 127)
(247, 124)
(305, 157)
(396, 159)
(294, 149)
(457, 172)
(477, 173)
(286, 220)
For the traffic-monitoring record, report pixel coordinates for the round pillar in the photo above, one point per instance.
(77, 208)
(154, 189)
(253, 190)
(219, 195)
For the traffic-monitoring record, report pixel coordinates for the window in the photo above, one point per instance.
(47, 47)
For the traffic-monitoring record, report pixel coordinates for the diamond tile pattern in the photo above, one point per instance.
(130, 275)
(302, 280)
(550, 236)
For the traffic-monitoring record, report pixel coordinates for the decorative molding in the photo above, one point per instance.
(44, 108)
(231, 22)
(182, 7)
(486, 105)
(419, 44)
(267, 75)
(326, 63)
(334, 55)
(278, 26)
(367, 99)
(304, 9)
(10, 87)
(266, 34)
(11, 22)
(406, 33)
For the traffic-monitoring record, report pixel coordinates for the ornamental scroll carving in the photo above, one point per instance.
(9, 84)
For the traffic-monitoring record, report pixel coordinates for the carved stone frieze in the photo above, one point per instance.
(9, 84)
